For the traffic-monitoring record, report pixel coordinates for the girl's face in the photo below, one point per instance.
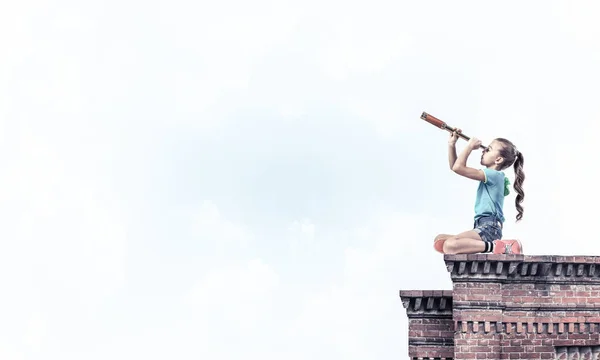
(491, 155)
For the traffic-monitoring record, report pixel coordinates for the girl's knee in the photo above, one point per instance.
(442, 237)
(450, 246)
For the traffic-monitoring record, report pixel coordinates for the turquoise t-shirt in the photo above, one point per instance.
(484, 203)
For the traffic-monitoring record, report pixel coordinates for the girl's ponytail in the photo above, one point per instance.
(519, 179)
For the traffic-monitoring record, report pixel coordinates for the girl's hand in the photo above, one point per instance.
(474, 143)
(454, 137)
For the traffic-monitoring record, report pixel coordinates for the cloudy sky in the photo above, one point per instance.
(234, 179)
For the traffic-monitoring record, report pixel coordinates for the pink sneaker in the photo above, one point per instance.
(438, 245)
(508, 247)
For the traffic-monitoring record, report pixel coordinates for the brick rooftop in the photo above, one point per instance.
(508, 307)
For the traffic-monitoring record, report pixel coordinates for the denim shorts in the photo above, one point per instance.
(489, 228)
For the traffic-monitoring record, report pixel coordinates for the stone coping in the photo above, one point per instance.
(579, 259)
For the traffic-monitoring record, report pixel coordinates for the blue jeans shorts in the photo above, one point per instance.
(489, 228)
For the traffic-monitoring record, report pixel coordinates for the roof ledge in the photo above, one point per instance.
(427, 303)
(524, 268)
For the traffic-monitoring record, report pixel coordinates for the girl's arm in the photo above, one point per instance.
(451, 155)
(452, 148)
(460, 165)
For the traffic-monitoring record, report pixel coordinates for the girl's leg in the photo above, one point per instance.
(468, 242)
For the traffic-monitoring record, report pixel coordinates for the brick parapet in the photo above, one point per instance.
(519, 268)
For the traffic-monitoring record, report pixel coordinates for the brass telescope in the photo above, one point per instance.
(442, 125)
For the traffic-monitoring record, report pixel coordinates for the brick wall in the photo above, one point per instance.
(430, 325)
(517, 307)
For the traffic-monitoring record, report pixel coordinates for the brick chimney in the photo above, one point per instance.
(430, 324)
(509, 307)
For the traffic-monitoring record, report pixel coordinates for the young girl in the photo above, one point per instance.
(493, 187)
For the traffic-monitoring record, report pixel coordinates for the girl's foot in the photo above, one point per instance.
(508, 247)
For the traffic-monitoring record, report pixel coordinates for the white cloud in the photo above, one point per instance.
(301, 236)
(220, 43)
(36, 331)
(578, 21)
(209, 225)
(237, 294)
(360, 314)
(303, 227)
(350, 47)
(64, 247)
(10, 351)
(231, 303)
(221, 281)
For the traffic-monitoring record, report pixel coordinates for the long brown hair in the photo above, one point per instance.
(513, 156)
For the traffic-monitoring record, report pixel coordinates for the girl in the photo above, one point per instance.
(493, 187)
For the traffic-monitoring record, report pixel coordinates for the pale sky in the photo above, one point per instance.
(226, 180)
